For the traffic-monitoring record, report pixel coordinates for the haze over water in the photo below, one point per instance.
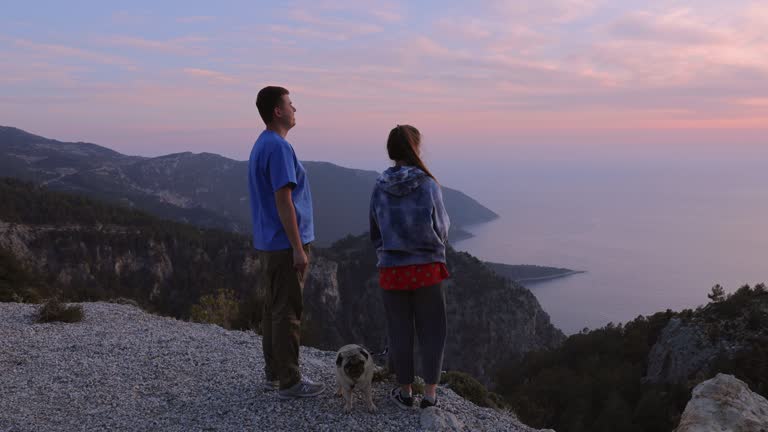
(654, 229)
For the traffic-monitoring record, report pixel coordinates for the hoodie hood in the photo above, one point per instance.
(401, 180)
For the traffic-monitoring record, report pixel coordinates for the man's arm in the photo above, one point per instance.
(287, 213)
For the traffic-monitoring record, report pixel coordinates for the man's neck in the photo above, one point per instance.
(278, 129)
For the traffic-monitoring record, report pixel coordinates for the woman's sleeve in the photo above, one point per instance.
(440, 220)
(374, 225)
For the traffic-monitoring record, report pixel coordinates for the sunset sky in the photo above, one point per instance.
(150, 77)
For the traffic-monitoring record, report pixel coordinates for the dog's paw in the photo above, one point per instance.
(372, 408)
(348, 408)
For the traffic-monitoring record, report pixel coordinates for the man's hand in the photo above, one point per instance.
(287, 213)
(300, 262)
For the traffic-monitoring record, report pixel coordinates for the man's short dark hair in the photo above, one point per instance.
(267, 100)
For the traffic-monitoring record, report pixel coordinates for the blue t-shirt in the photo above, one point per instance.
(272, 166)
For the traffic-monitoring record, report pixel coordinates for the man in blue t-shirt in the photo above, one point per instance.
(281, 208)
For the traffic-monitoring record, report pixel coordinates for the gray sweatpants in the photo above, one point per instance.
(424, 310)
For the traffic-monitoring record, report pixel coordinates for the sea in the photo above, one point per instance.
(652, 229)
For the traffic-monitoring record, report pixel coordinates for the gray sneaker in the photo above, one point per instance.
(302, 389)
(270, 385)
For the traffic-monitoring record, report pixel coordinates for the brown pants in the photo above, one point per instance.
(281, 319)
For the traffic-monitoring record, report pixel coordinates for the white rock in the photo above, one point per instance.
(724, 404)
(434, 419)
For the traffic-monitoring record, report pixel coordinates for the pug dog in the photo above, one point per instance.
(354, 370)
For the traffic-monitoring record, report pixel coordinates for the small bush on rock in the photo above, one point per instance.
(124, 301)
(54, 310)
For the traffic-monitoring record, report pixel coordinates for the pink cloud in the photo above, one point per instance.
(388, 16)
(545, 11)
(508, 69)
(129, 18)
(347, 28)
(679, 48)
(54, 50)
(180, 46)
(214, 76)
(753, 102)
(309, 33)
(384, 11)
(19, 69)
(677, 27)
(423, 45)
(195, 19)
(466, 29)
(320, 19)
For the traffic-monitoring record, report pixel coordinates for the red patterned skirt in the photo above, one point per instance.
(411, 277)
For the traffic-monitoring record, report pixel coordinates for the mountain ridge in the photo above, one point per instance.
(204, 189)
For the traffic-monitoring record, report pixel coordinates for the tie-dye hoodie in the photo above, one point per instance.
(409, 224)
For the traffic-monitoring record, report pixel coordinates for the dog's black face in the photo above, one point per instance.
(353, 364)
(354, 368)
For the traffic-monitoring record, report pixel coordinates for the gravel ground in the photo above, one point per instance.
(124, 369)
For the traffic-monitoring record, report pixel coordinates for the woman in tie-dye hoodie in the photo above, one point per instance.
(409, 228)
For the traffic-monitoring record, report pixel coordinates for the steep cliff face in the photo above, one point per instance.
(166, 272)
(490, 318)
(685, 351)
(691, 346)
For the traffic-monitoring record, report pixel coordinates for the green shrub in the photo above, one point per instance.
(471, 389)
(738, 302)
(221, 309)
(717, 294)
(54, 310)
(124, 301)
(750, 366)
(756, 319)
(15, 281)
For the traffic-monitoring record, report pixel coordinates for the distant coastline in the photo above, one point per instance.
(458, 234)
(554, 276)
(530, 274)
(524, 274)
